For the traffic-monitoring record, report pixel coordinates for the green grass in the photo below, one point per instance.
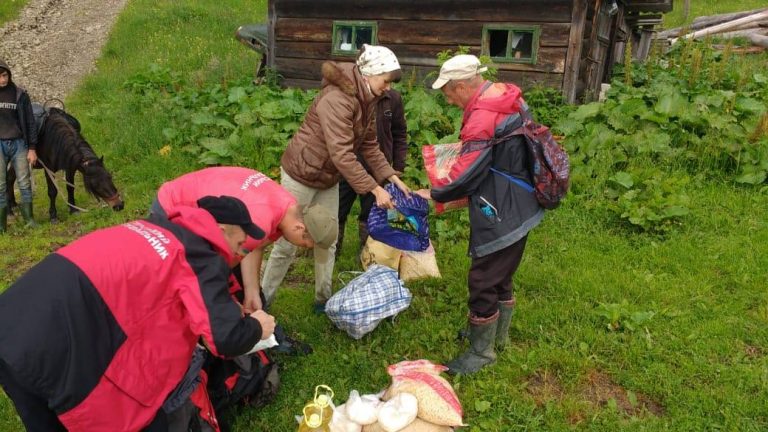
(9, 10)
(706, 8)
(700, 363)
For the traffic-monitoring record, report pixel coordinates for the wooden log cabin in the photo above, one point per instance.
(568, 44)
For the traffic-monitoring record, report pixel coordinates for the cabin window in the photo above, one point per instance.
(511, 43)
(349, 36)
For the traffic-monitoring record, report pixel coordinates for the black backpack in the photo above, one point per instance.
(251, 379)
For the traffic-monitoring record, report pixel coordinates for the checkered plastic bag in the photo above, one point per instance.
(366, 300)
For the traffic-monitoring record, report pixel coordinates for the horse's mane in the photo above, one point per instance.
(62, 144)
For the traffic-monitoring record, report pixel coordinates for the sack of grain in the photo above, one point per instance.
(415, 366)
(437, 401)
(417, 425)
(419, 265)
(376, 252)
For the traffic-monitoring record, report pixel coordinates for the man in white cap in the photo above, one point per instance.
(338, 126)
(502, 207)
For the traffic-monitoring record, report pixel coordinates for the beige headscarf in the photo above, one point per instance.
(376, 60)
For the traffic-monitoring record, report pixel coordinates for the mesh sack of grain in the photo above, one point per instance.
(438, 402)
(417, 425)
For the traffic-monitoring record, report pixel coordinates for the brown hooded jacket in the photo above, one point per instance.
(339, 124)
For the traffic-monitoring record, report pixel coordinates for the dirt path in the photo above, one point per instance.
(55, 43)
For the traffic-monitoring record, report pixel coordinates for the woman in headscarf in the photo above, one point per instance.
(338, 126)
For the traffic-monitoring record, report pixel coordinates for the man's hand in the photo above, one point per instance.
(267, 322)
(383, 198)
(400, 185)
(32, 157)
(252, 303)
(424, 193)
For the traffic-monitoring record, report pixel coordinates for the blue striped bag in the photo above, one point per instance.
(366, 300)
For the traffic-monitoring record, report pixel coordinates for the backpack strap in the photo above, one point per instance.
(523, 184)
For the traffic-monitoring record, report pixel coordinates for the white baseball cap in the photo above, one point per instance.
(462, 66)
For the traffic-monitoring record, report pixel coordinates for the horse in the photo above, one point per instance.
(60, 146)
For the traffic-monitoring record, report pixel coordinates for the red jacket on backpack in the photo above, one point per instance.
(104, 328)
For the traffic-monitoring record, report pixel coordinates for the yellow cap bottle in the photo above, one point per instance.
(323, 399)
(313, 420)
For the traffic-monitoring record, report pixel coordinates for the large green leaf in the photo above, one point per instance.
(217, 146)
(273, 110)
(587, 111)
(672, 104)
(749, 105)
(623, 178)
(753, 178)
(237, 94)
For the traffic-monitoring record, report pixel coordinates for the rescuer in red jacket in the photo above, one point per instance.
(95, 336)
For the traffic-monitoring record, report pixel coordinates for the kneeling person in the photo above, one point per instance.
(95, 336)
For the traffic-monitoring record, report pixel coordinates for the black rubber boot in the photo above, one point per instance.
(26, 213)
(506, 312)
(3, 219)
(481, 353)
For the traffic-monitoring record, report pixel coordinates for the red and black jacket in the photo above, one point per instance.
(104, 328)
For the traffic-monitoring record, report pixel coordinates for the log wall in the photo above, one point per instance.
(417, 31)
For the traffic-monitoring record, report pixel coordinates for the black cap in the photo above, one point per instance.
(231, 211)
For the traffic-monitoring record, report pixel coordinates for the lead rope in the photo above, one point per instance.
(52, 176)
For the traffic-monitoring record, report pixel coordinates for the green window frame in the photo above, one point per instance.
(502, 42)
(349, 36)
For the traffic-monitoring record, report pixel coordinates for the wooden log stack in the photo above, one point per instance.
(751, 25)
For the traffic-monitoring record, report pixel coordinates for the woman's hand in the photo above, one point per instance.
(383, 198)
(400, 185)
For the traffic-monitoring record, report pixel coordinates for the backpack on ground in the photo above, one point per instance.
(250, 379)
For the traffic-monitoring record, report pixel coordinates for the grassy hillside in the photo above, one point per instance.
(617, 328)
(9, 9)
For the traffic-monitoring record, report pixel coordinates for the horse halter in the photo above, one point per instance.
(87, 162)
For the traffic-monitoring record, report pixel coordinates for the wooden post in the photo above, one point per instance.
(271, 23)
(686, 9)
(573, 59)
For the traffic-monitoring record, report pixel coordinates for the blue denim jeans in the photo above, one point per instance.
(15, 152)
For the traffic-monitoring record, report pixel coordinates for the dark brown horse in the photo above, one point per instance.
(60, 146)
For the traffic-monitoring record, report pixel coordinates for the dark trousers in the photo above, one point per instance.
(35, 414)
(347, 197)
(490, 279)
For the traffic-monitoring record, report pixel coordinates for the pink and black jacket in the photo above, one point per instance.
(501, 212)
(104, 328)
